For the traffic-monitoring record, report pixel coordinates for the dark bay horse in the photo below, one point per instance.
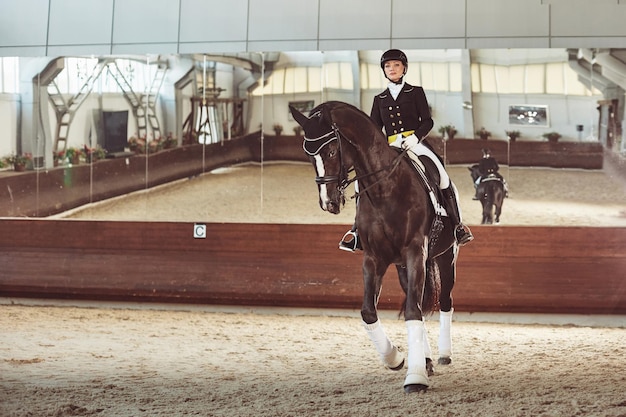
(397, 225)
(491, 195)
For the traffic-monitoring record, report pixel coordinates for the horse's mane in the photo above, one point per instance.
(348, 117)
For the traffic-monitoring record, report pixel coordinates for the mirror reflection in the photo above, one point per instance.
(210, 138)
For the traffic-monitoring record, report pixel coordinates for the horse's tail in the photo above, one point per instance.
(432, 289)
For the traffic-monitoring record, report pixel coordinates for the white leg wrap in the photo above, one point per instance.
(445, 340)
(389, 354)
(428, 353)
(416, 373)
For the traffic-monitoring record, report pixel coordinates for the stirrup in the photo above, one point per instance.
(463, 235)
(349, 245)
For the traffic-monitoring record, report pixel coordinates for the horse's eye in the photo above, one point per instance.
(332, 153)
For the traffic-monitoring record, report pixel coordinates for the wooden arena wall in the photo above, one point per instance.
(506, 269)
(46, 192)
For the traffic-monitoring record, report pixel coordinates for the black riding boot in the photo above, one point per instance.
(462, 233)
(350, 241)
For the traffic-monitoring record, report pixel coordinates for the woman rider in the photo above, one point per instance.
(403, 111)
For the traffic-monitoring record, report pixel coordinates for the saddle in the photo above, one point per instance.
(490, 177)
(429, 174)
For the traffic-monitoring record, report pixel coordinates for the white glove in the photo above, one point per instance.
(410, 142)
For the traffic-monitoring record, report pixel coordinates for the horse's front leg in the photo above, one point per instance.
(390, 355)
(417, 374)
(404, 283)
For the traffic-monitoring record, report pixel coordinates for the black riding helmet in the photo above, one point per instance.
(394, 55)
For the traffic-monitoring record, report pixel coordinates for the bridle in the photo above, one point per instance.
(342, 179)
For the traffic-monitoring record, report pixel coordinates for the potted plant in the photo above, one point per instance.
(94, 154)
(552, 136)
(512, 134)
(137, 145)
(58, 157)
(19, 161)
(297, 130)
(170, 141)
(483, 133)
(278, 129)
(73, 155)
(448, 130)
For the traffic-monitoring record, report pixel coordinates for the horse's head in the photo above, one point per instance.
(474, 171)
(323, 144)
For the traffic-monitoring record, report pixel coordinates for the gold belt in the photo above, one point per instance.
(392, 138)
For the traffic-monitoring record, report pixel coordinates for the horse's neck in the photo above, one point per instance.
(374, 166)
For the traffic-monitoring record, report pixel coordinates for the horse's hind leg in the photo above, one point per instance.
(447, 268)
(498, 211)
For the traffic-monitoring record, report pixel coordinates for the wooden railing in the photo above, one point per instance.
(505, 269)
(46, 192)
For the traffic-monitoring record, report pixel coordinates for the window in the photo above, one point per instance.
(549, 78)
(78, 71)
(9, 75)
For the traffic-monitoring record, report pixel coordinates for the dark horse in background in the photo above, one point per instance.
(397, 224)
(491, 194)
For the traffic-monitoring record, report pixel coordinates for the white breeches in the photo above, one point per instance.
(414, 145)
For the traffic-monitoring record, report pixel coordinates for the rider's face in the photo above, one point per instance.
(394, 70)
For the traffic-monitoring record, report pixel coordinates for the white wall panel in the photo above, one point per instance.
(143, 48)
(23, 23)
(213, 20)
(588, 42)
(507, 18)
(88, 23)
(215, 47)
(434, 43)
(282, 46)
(23, 51)
(588, 18)
(354, 44)
(355, 19)
(282, 20)
(428, 19)
(512, 42)
(27, 28)
(78, 50)
(145, 21)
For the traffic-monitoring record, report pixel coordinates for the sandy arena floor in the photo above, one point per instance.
(103, 361)
(286, 193)
(136, 362)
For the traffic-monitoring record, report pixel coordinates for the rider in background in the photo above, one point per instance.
(403, 111)
(486, 167)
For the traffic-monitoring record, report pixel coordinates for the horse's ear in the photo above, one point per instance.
(299, 117)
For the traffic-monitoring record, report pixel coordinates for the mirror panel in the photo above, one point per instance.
(173, 119)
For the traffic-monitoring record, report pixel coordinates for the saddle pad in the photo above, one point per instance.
(421, 170)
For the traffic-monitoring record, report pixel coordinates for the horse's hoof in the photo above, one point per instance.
(408, 389)
(397, 368)
(430, 368)
(394, 360)
(444, 360)
(415, 382)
